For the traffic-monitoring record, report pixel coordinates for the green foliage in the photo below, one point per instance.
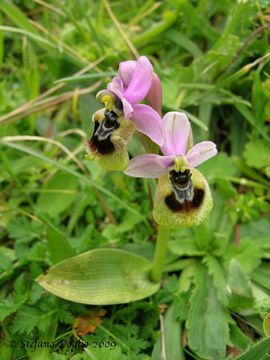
(57, 195)
(258, 350)
(213, 61)
(207, 320)
(170, 335)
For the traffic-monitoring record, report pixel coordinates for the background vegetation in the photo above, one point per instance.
(213, 60)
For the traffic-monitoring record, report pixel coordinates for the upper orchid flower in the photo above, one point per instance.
(183, 197)
(114, 125)
(127, 90)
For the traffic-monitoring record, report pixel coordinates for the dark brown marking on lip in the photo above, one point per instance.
(104, 147)
(118, 103)
(186, 206)
(101, 139)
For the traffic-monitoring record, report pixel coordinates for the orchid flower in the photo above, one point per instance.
(123, 113)
(127, 90)
(183, 197)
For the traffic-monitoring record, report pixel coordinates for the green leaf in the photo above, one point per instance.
(257, 351)
(266, 324)
(8, 307)
(184, 42)
(207, 321)
(90, 183)
(219, 166)
(157, 29)
(247, 254)
(17, 16)
(28, 318)
(113, 231)
(238, 338)
(258, 231)
(58, 194)
(262, 277)
(104, 354)
(101, 277)
(58, 245)
(171, 334)
(72, 79)
(23, 230)
(257, 154)
(239, 285)
(186, 278)
(2, 49)
(184, 247)
(217, 272)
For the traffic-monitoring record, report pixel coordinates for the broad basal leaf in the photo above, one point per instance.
(101, 277)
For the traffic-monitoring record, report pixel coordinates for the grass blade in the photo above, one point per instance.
(86, 181)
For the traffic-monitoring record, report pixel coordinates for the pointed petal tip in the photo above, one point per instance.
(148, 166)
(140, 83)
(177, 130)
(201, 152)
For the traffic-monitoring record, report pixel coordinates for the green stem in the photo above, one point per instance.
(161, 249)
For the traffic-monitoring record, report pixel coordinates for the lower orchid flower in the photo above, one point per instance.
(123, 114)
(183, 196)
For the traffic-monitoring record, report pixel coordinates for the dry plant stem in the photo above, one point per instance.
(60, 44)
(42, 139)
(160, 253)
(50, 7)
(237, 237)
(246, 43)
(26, 106)
(162, 341)
(119, 27)
(139, 17)
(46, 104)
(105, 208)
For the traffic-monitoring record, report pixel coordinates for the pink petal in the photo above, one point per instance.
(116, 86)
(141, 81)
(148, 166)
(127, 107)
(177, 129)
(126, 71)
(154, 96)
(201, 152)
(148, 122)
